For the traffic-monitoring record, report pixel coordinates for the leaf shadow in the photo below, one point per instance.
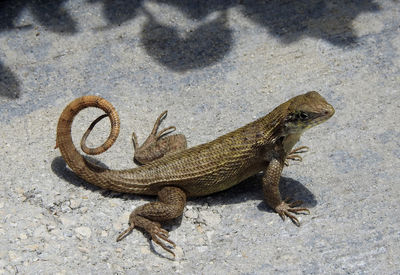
(201, 47)
(288, 21)
(9, 84)
(49, 13)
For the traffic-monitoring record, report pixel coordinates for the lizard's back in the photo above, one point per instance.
(200, 170)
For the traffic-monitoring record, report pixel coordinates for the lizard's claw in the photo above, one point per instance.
(294, 154)
(126, 232)
(286, 208)
(158, 233)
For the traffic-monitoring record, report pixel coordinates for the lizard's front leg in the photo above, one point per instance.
(157, 144)
(172, 201)
(272, 195)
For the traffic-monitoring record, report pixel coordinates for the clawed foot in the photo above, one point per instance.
(286, 208)
(294, 154)
(158, 143)
(154, 135)
(157, 234)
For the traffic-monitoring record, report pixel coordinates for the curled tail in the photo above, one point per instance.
(72, 157)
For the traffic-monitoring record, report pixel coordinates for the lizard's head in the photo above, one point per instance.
(306, 111)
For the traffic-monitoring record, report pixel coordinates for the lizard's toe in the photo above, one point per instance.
(294, 154)
(126, 232)
(158, 235)
(286, 208)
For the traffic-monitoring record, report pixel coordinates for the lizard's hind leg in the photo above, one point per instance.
(172, 201)
(158, 144)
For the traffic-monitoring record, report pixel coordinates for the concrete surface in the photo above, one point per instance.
(215, 65)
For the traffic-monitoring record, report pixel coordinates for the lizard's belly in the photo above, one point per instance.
(220, 180)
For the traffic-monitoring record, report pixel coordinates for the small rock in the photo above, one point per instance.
(40, 231)
(19, 190)
(210, 218)
(145, 250)
(83, 249)
(66, 221)
(51, 227)
(32, 247)
(122, 221)
(83, 210)
(74, 203)
(58, 233)
(199, 228)
(191, 214)
(202, 249)
(13, 255)
(178, 252)
(83, 231)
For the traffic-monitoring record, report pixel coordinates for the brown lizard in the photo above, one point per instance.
(262, 145)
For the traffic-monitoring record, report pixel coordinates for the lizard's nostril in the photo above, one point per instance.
(329, 111)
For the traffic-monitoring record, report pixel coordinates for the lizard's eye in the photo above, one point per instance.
(303, 116)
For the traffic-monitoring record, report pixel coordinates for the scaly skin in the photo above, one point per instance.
(263, 145)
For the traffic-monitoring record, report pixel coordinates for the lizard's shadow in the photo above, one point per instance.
(60, 169)
(250, 189)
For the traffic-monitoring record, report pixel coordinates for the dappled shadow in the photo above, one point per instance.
(119, 11)
(291, 20)
(9, 85)
(209, 41)
(201, 47)
(49, 13)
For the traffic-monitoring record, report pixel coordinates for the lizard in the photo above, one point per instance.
(263, 145)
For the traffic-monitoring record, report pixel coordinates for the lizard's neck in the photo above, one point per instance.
(289, 141)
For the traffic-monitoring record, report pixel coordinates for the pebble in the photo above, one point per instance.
(66, 221)
(40, 231)
(122, 221)
(13, 256)
(83, 231)
(74, 203)
(145, 250)
(32, 247)
(83, 249)
(191, 214)
(210, 218)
